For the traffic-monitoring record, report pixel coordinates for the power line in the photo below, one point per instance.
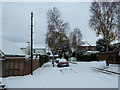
(12, 17)
(21, 7)
(41, 12)
(59, 7)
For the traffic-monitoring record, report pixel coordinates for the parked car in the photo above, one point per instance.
(62, 62)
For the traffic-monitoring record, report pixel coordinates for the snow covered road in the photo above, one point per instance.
(78, 75)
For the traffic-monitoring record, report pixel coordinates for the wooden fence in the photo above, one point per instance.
(113, 57)
(13, 67)
(19, 66)
(102, 55)
(27, 66)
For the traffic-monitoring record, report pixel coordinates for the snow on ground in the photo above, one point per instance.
(113, 67)
(78, 75)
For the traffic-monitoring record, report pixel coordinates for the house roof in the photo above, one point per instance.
(88, 43)
(10, 48)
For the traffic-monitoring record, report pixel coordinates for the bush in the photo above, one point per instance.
(43, 59)
(78, 53)
(82, 56)
(90, 57)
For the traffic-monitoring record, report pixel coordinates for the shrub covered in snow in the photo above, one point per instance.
(43, 59)
(89, 57)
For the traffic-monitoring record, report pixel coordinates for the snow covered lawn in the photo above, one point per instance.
(80, 75)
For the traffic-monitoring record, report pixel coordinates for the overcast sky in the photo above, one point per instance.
(16, 19)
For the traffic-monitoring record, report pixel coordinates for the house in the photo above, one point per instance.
(37, 48)
(11, 57)
(13, 61)
(10, 49)
(87, 47)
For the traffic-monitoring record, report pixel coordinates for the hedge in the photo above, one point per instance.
(91, 57)
(43, 59)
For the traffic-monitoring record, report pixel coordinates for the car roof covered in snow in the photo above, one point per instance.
(10, 48)
(62, 60)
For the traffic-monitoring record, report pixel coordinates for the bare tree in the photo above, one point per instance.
(75, 39)
(103, 20)
(56, 33)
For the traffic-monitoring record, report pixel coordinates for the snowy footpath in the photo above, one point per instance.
(79, 75)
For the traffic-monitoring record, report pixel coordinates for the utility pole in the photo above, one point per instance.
(118, 11)
(31, 43)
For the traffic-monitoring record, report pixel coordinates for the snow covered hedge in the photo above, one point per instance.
(43, 59)
(90, 57)
(84, 56)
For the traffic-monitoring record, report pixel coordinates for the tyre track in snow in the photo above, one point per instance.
(67, 70)
(105, 71)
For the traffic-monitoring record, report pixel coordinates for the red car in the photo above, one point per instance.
(62, 62)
